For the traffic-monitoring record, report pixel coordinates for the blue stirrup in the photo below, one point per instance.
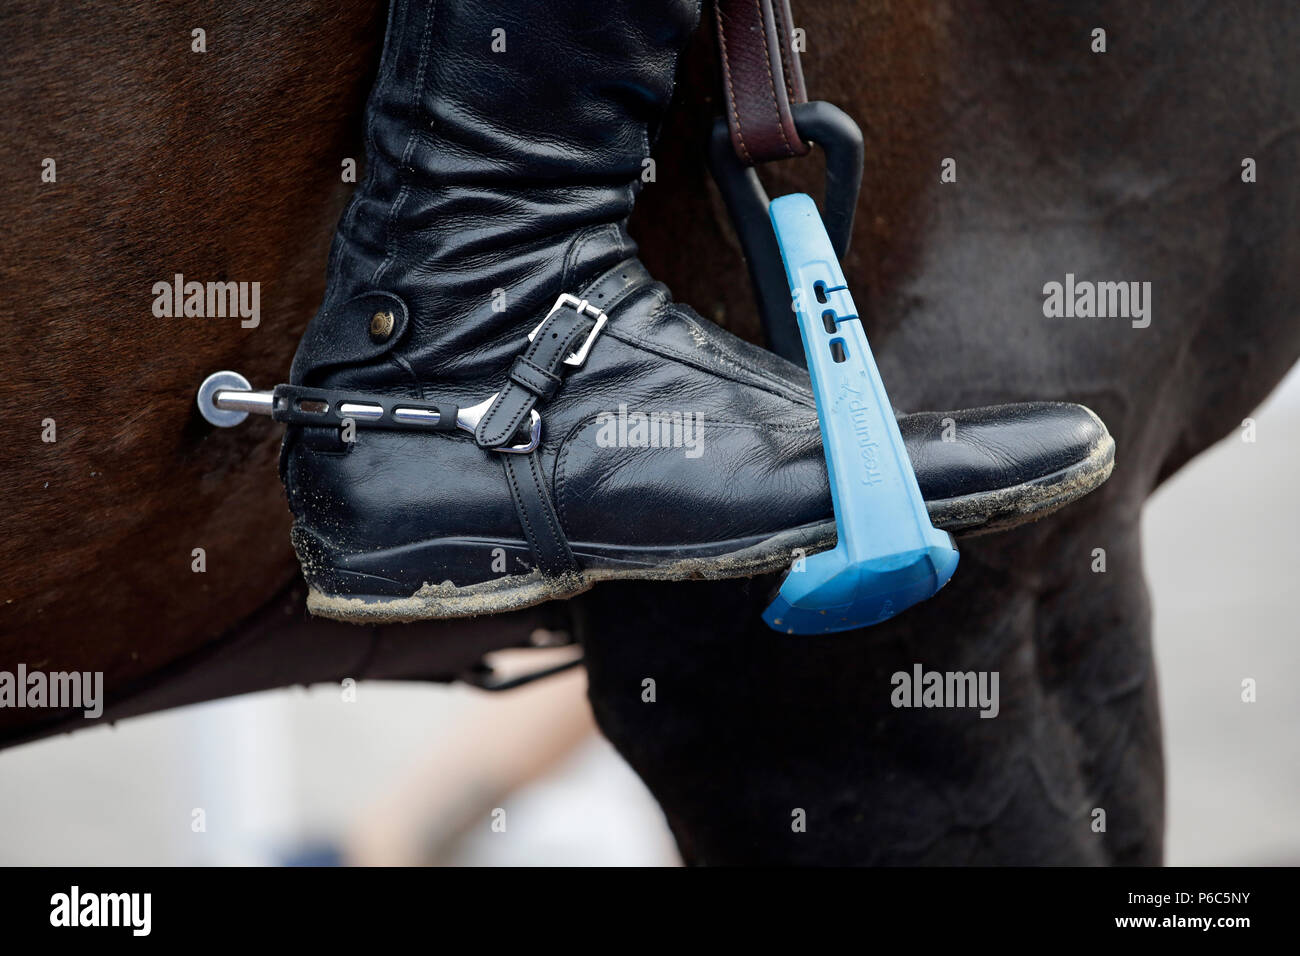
(889, 556)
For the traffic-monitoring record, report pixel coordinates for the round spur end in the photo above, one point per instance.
(207, 398)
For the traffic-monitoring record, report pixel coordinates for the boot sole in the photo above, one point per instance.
(968, 515)
(511, 592)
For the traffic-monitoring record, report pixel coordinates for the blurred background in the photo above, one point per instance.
(411, 774)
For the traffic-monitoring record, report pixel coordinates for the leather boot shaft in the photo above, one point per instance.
(505, 144)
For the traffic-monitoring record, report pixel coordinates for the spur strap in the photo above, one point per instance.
(560, 342)
(761, 78)
(537, 515)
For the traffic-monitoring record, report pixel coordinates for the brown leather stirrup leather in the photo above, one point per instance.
(761, 78)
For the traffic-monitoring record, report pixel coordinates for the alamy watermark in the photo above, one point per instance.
(57, 690)
(1098, 300)
(208, 300)
(958, 689)
(133, 911)
(626, 429)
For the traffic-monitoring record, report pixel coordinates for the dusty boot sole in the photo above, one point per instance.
(967, 515)
(515, 591)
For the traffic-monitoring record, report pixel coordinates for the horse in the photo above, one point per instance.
(1006, 148)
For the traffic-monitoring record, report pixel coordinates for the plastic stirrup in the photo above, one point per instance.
(889, 556)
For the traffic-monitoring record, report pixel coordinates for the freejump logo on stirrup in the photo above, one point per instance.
(889, 556)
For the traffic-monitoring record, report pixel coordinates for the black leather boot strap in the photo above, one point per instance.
(559, 343)
(536, 374)
(537, 515)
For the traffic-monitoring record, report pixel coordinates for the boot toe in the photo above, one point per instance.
(995, 467)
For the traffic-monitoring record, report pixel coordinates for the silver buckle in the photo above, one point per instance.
(582, 307)
(467, 419)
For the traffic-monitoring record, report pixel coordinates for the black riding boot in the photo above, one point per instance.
(485, 297)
